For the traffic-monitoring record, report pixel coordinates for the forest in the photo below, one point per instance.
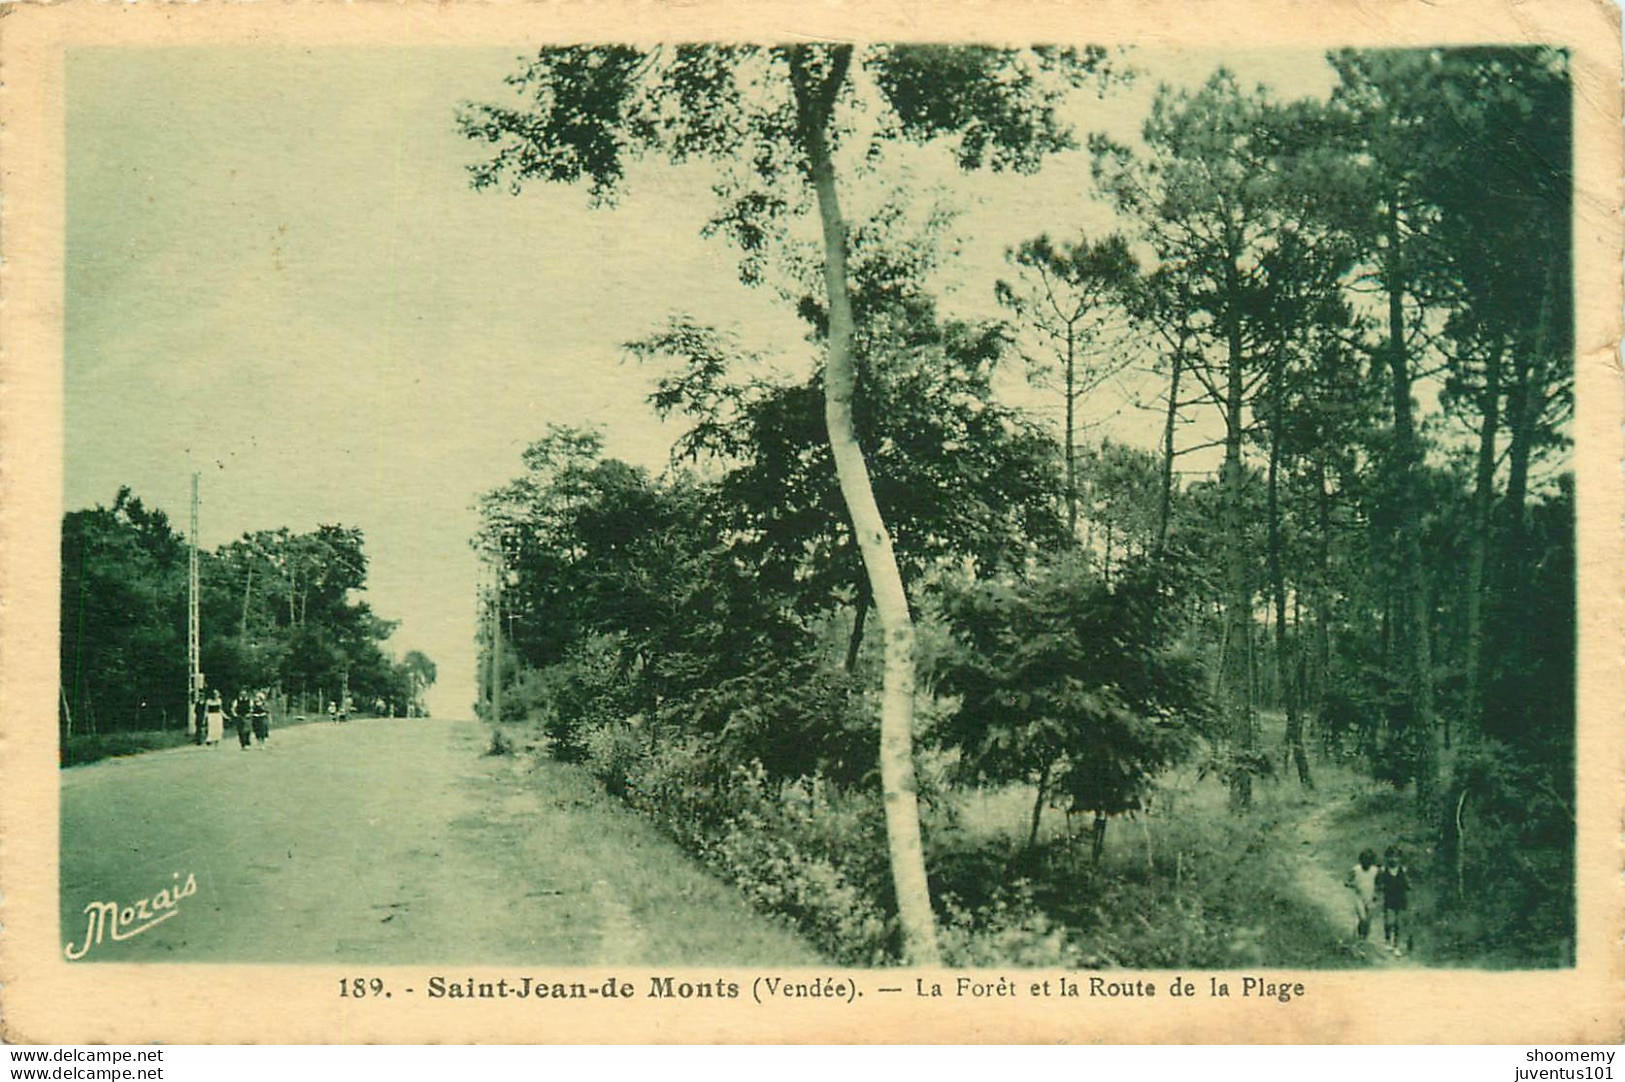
(276, 612)
(908, 652)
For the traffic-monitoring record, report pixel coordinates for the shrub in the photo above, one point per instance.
(804, 850)
(794, 719)
(611, 753)
(812, 847)
(1006, 929)
(589, 689)
(1508, 869)
(88, 748)
(779, 876)
(500, 744)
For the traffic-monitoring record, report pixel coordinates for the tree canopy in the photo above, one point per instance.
(277, 612)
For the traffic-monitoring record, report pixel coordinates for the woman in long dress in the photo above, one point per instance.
(214, 713)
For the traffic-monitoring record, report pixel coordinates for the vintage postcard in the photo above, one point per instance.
(900, 522)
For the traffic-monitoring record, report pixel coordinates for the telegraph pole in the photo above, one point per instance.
(496, 646)
(194, 674)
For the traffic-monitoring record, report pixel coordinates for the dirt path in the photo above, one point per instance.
(1319, 871)
(391, 842)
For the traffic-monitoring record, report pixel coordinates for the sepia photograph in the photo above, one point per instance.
(919, 514)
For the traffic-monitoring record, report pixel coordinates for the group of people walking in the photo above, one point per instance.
(1385, 886)
(248, 714)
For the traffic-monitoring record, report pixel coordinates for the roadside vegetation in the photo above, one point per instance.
(926, 666)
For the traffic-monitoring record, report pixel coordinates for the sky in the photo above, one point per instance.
(278, 276)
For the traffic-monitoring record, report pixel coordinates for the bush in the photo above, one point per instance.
(611, 753)
(1218, 894)
(588, 690)
(810, 844)
(802, 849)
(88, 748)
(1509, 869)
(1007, 929)
(780, 876)
(796, 720)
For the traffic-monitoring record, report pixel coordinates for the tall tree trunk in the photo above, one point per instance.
(1236, 665)
(1323, 592)
(248, 586)
(1524, 403)
(1285, 674)
(897, 779)
(1416, 656)
(1071, 448)
(1483, 516)
(860, 614)
(1517, 454)
(1038, 806)
(1165, 502)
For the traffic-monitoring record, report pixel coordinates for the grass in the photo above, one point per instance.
(1186, 883)
(643, 882)
(82, 748)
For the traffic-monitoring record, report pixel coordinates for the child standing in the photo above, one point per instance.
(1395, 885)
(260, 715)
(1363, 881)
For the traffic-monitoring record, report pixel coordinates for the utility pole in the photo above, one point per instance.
(248, 587)
(194, 674)
(496, 645)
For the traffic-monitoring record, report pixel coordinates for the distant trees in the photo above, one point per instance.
(276, 610)
(123, 614)
(420, 675)
(1212, 194)
(1074, 299)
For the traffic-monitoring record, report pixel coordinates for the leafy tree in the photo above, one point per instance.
(528, 525)
(275, 610)
(1072, 684)
(419, 673)
(957, 475)
(123, 631)
(776, 117)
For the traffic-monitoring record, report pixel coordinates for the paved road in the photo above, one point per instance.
(389, 841)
